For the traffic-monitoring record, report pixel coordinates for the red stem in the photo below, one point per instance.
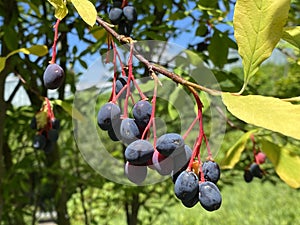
(152, 117)
(55, 42)
(190, 128)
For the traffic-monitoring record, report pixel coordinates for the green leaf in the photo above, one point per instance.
(286, 163)
(258, 26)
(218, 49)
(86, 10)
(292, 35)
(69, 109)
(39, 50)
(267, 112)
(234, 153)
(61, 9)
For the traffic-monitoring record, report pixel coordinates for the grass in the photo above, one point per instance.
(255, 203)
(243, 203)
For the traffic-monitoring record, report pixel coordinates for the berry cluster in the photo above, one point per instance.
(193, 186)
(167, 154)
(47, 127)
(123, 15)
(254, 170)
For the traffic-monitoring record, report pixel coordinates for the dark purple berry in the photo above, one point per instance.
(115, 15)
(129, 131)
(52, 135)
(256, 171)
(248, 176)
(39, 141)
(139, 152)
(209, 196)
(136, 174)
(130, 14)
(169, 143)
(211, 171)
(108, 113)
(53, 76)
(186, 185)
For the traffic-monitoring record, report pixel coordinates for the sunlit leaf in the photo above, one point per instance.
(267, 112)
(292, 35)
(98, 32)
(258, 26)
(41, 119)
(69, 109)
(286, 163)
(2, 63)
(39, 50)
(61, 9)
(86, 10)
(234, 153)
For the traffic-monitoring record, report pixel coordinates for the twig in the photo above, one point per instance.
(154, 67)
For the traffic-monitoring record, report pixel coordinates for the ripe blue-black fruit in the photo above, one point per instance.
(108, 113)
(211, 171)
(125, 28)
(115, 15)
(53, 76)
(33, 124)
(52, 135)
(248, 176)
(130, 14)
(139, 152)
(49, 147)
(191, 202)
(182, 159)
(186, 185)
(120, 83)
(117, 3)
(55, 123)
(162, 164)
(169, 143)
(39, 141)
(256, 171)
(136, 174)
(209, 196)
(111, 133)
(142, 112)
(129, 131)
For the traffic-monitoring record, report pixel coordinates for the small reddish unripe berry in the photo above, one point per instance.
(260, 158)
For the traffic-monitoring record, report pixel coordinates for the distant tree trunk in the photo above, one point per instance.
(132, 206)
(2, 119)
(10, 7)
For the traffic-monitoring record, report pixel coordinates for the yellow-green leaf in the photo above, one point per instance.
(61, 9)
(69, 109)
(98, 32)
(234, 153)
(286, 163)
(86, 10)
(41, 119)
(39, 50)
(2, 63)
(258, 26)
(267, 112)
(292, 35)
